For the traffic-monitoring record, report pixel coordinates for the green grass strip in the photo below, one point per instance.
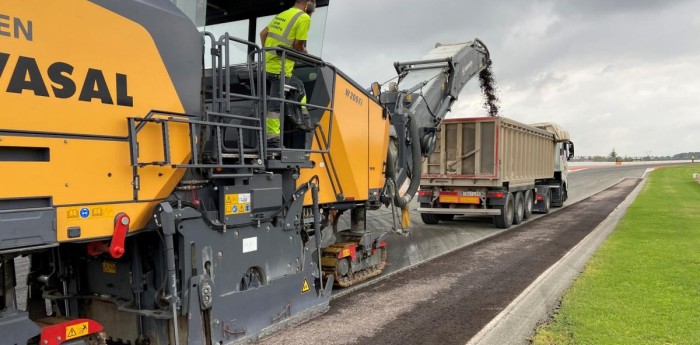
(643, 285)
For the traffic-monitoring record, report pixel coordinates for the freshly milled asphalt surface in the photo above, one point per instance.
(449, 299)
(429, 241)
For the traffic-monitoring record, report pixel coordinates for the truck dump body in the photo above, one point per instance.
(488, 152)
(494, 166)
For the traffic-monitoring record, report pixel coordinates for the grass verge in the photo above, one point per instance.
(643, 285)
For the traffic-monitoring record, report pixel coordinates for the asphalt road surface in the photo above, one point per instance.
(430, 241)
(449, 299)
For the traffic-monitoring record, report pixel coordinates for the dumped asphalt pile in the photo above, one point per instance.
(489, 89)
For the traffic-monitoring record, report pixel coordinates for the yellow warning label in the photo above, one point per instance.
(73, 213)
(77, 330)
(109, 267)
(237, 204)
(346, 252)
(305, 287)
(94, 212)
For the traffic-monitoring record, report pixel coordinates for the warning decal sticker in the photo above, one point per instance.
(109, 267)
(77, 330)
(305, 287)
(237, 204)
(94, 212)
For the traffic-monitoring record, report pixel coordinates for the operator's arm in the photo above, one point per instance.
(263, 36)
(299, 46)
(301, 33)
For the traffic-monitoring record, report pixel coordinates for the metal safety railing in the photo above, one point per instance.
(244, 158)
(231, 132)
(285, 54)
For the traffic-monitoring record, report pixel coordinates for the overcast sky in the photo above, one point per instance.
(616, 74)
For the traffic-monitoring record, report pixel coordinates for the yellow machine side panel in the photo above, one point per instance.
(87, 37)
(115, 56)
(70, 181)
(349, 151)
(378, 145)
(68, 177)
(84, 171)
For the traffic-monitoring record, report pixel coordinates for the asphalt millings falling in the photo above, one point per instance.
(489, 89)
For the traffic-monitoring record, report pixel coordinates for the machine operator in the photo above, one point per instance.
(288, 29)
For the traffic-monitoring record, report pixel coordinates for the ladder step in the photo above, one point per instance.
(235, 155)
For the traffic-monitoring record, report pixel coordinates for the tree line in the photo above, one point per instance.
(614, 156)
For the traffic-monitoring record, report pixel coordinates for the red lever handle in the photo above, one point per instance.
(121, 227)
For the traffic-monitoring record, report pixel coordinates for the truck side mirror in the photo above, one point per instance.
(570, 145)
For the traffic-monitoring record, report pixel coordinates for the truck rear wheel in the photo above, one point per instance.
(430, 218)
(562, 195)
(519, 212)
(505, 219)
(528, 204)
(547, 200)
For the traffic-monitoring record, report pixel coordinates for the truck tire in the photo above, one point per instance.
(563, 195)
(505, 219)
(519, 211)
(430, 218)
(560, 197)
(528, 204)
(547, 201)
(447, 217)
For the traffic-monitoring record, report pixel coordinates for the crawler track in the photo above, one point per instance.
(449, 299)
(353, 278)
(358, 277)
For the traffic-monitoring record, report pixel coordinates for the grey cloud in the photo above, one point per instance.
(608, 70)
(612, 7)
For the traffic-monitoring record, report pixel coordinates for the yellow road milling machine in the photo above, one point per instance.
(138, 189)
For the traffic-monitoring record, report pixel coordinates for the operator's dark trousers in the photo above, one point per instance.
(275, 82)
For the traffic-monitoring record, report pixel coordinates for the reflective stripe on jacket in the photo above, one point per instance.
(272, 122)
(292, 24)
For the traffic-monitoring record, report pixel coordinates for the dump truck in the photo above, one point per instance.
(494, 166)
